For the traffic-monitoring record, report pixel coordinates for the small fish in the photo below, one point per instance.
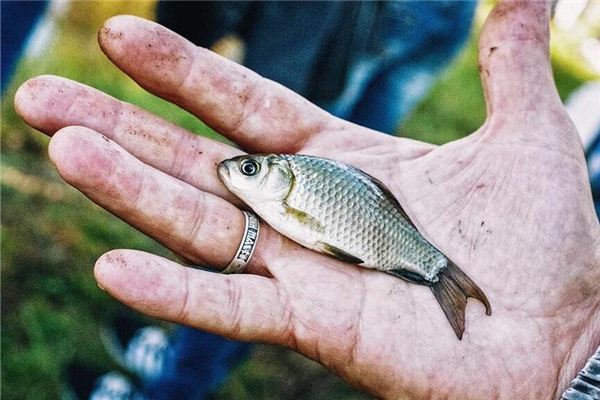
(341, 211)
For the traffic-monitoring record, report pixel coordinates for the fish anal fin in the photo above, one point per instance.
(409, 276)
(304, 218)
(452, 290)
(338, 253)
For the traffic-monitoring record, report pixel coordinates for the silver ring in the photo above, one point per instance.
(247, 245)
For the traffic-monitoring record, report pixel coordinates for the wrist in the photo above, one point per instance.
(582, 362)
(586, 384)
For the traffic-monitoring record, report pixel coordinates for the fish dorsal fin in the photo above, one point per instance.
(387, 193)
(337, 253)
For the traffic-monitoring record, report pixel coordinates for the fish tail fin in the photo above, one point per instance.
(452, 290)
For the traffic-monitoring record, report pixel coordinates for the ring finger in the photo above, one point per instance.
(199, 226)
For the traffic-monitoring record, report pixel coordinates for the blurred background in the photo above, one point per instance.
(51, 234)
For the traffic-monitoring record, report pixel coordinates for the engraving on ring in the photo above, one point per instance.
(249, 240)
(247, 245)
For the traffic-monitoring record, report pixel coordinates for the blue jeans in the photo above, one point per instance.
(18, 19)
(197, 365)
(592, 155)
(411, 43)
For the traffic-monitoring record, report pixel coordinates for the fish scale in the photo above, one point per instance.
(359, 218)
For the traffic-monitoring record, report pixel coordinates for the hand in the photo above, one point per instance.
(510, 204)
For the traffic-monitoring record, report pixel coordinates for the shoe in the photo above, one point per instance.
(84, 383)
(139, 349)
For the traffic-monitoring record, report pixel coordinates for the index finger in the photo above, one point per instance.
(254, 112)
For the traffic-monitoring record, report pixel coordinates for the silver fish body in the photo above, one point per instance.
(339, 210)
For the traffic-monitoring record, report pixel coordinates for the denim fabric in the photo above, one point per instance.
(198, 363)
(285, 40)
(593, 161)
(410, 44)
(18, 19)
(368, 62)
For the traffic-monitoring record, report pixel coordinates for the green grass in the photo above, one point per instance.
(454, 107)
(51, 235)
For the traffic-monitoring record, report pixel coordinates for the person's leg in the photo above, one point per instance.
(592, 155)
(357, 83)
(203, 22)
(579, 104)
(414, 42)
(198, 363)
(284, 40)
(392, 95)
(18, 19)
(84, 382)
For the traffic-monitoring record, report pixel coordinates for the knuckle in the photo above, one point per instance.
(183, 312)
(233, 309)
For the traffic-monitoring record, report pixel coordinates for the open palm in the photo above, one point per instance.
(510, 204)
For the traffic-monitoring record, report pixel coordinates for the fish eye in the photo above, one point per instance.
(249, 167)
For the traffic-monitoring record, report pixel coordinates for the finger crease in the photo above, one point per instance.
(177, 90)
(321, 126)
(137, 194)
(118, 119)
(197, 218)
(182, 157)
(286, 320)
(248, 95)
(183, 313)
(234, 309)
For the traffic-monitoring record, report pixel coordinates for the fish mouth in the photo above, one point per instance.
(223, 172)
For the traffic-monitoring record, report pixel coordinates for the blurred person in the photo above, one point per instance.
(542, 309)
(368, 62)
(19, 19)
(154, 365)
(578, 106)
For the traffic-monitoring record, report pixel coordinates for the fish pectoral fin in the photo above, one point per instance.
(338, 253)
(304, 218)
